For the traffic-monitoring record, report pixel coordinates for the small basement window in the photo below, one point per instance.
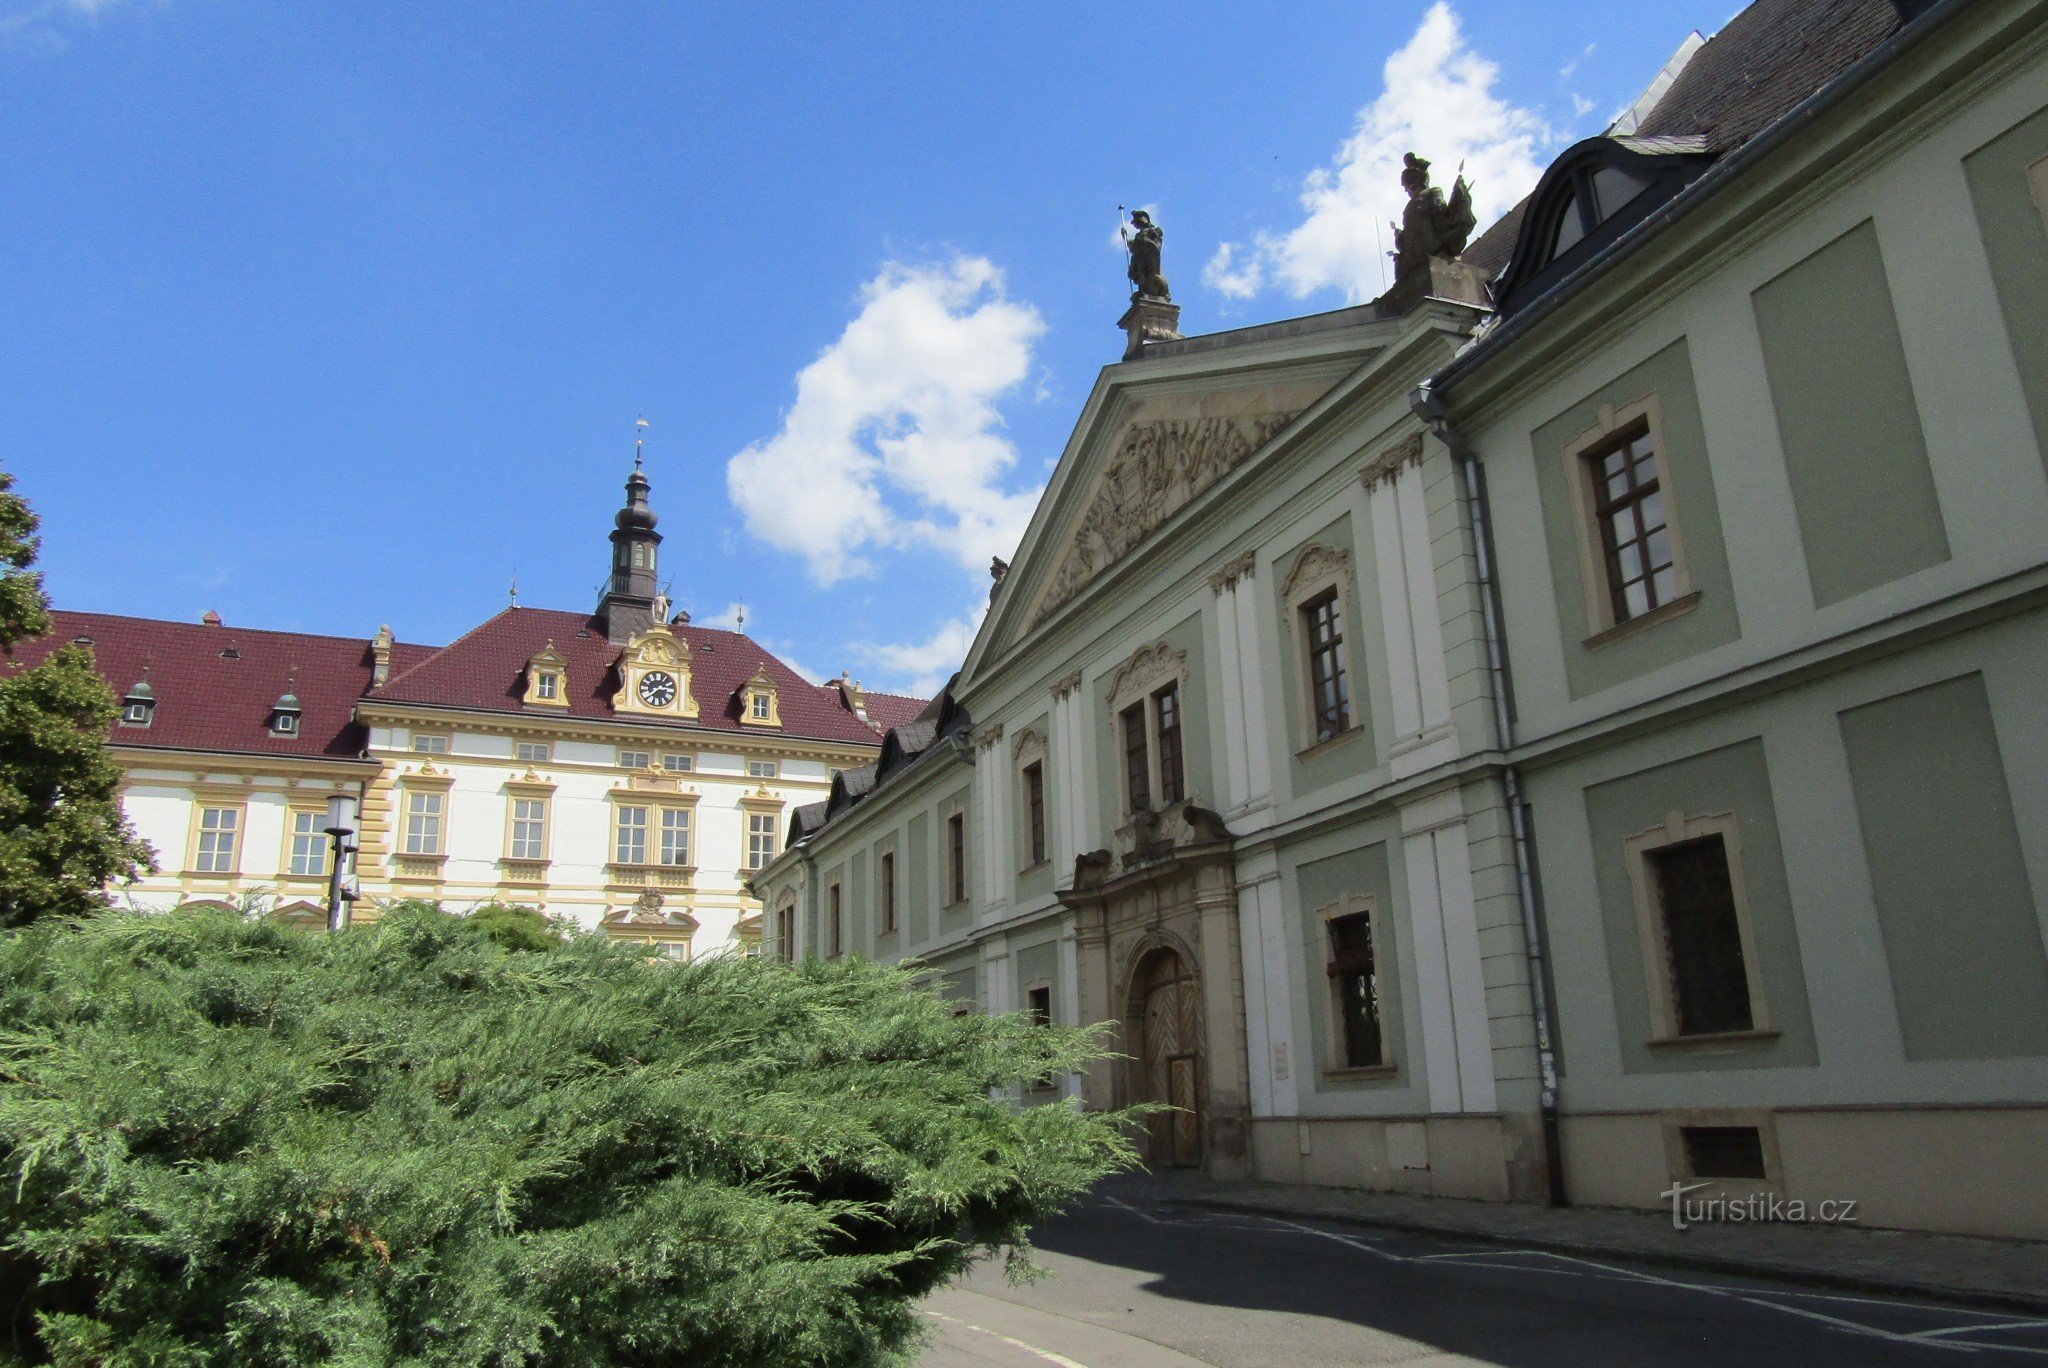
(1724, 1151)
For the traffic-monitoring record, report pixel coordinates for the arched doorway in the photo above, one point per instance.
(1166, 1011)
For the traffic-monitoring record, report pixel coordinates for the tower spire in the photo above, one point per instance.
(628, 603)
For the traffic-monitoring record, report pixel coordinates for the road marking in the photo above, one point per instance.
(1048, 1355)
(1947, 1337)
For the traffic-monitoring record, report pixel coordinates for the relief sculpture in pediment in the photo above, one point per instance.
(1157, 468)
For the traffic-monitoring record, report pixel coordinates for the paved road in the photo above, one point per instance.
(1138, 1284)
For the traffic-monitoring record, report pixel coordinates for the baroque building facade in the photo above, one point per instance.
(623, 769)
(1561, 740)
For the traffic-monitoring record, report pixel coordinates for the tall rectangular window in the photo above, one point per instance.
(423, 814)
(629, 846)
(836, 932)
(1702, 937)
(529, 828)
(1038, 1004)
(785, 932)
(758, 707)
(309, 845)
(1329, 684)
(675, 836)
(760, 839)
(1137, 764)
(1166, 712)
(548, 685)
(887, 866)
(1355, 984)
(1635, 540)
(956, 858)
(219, 832)
(1034, 810)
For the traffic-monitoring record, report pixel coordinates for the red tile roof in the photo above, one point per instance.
(485, 671)
(893, 710)
(208, 701)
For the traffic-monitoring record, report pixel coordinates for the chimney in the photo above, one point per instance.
(380, 653)
(852, 694)
(210, 619)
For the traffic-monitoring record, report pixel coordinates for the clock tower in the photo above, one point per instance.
(628, 603)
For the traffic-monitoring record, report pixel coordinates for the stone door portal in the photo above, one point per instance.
(1168, 1002)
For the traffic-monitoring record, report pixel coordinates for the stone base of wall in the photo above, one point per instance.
(1959, 1170)
(1439, 1156)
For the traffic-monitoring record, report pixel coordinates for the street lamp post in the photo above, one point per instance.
(341, 827)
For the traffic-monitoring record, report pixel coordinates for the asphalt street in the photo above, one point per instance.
(1139, 1284)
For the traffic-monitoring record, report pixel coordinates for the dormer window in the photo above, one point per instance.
(284, 716)
(1593, 193)
(138, 708)
(547, 678)
(758, 701)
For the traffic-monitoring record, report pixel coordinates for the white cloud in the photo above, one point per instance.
(726, 620)
(1231, 277)
(922, 668)
(32, 21)
(1438, 100)
(895, 439)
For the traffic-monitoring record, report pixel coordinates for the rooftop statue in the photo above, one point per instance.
(1429, 227)
(1143, 241)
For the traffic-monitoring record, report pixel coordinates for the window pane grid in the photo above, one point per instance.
(218, 829)
(630, 847)
(1628, 504)
(1329, 687)
(309, 845)
(760, 839)
(1166, 707)
(423, 824)
(529, 828)
(1137, 768)
(675, 836)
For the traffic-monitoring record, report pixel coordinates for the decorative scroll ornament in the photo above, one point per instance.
(1389, 463)
(1157, 469)
(1316, 564)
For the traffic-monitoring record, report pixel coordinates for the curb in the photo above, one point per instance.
(1802, 1274)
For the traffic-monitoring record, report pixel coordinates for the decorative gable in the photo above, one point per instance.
(547, 679)
(654, 677)
(759, 705)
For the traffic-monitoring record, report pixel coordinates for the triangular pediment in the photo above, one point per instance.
(1151, 451)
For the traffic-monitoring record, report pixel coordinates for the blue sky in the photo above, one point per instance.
(329, 315)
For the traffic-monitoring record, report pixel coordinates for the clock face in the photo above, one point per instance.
(657, 690)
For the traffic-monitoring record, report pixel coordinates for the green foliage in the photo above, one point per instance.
(227, 1141)
(63, 837)
(516, 927)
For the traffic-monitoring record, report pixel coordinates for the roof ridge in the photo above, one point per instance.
(419, 665)
(223, 627)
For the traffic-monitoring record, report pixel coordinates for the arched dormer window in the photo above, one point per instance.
(1592, 194)
(138, 708)
(284, 715)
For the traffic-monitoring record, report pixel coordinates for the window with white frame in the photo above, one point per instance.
(532, 752)
(758, 707)
(761, 769)
(308, 859)
(529, 828)
(760, 839)
(1632, 558)
(629, 835)
(635, 759)
(424, 811)
(219, 840)
(430, 743)
(675, 836)
(676, 763)
(547, 685)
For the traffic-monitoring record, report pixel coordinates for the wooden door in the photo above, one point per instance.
(1169, 1060)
